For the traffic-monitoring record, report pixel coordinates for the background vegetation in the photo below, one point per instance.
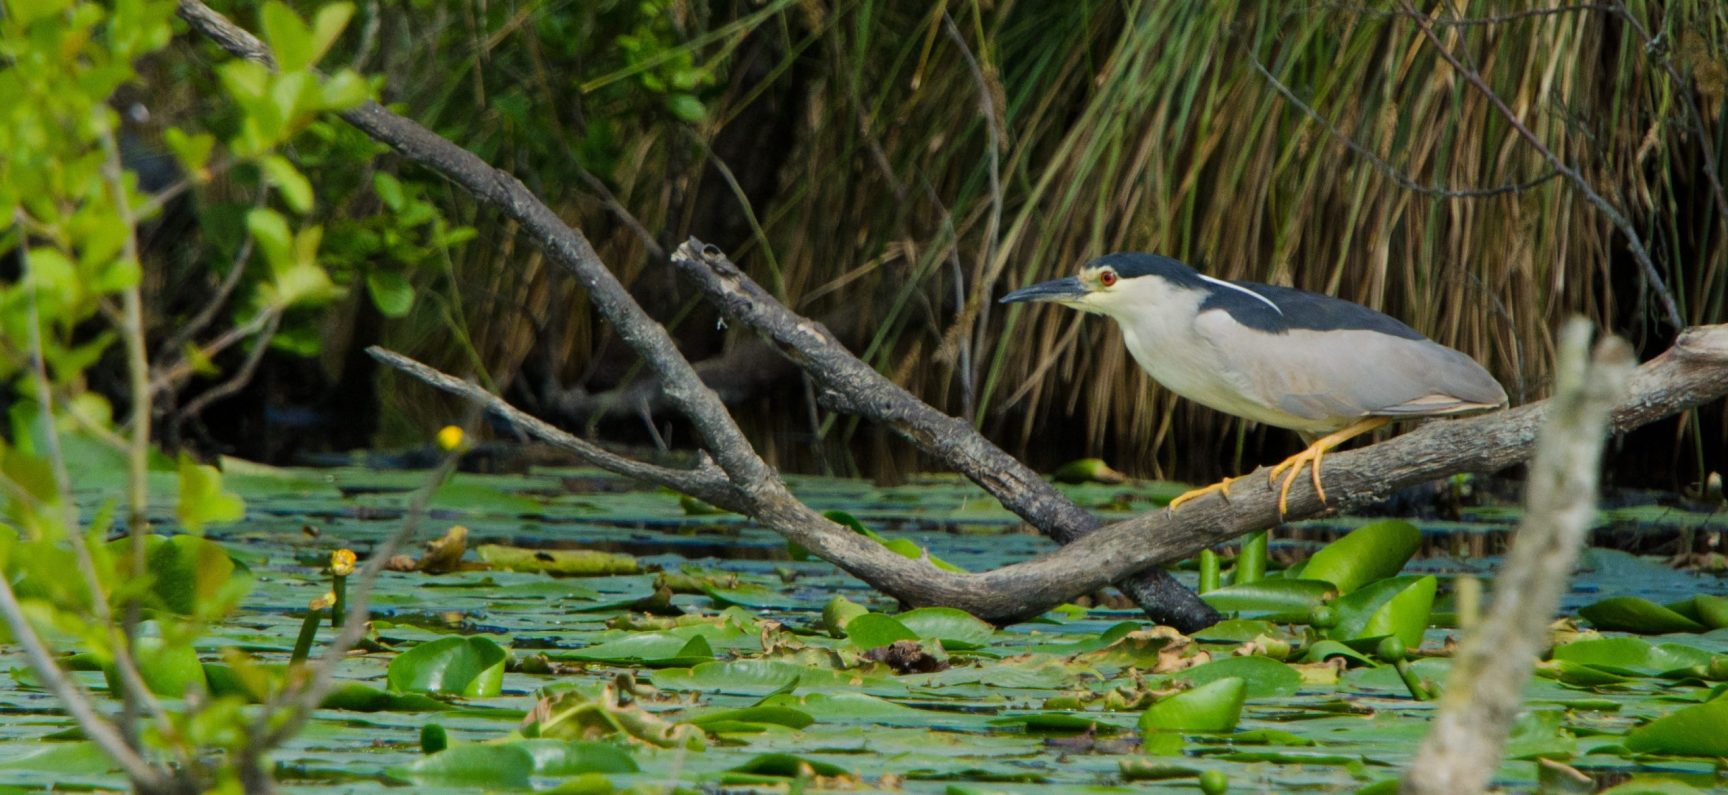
(889, 173)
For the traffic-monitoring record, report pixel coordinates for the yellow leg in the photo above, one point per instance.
(1311, 458)
(1222, 487)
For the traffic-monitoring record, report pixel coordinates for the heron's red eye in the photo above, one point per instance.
(1107, 278)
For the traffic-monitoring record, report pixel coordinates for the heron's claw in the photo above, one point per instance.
(1222, 487)
(1311, 458)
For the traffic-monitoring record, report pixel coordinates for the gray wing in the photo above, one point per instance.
(1339, 375)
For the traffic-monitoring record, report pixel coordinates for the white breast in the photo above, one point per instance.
(1161, 336)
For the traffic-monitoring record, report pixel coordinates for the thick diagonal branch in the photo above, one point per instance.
(851, 386)
(1488, 675)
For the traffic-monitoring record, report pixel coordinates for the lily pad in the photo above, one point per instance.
(1700, 730)
(577, 757)
(1262, 677)
(361, 697)
(1631, 656)
(655, 649)
(1638, 615)
(1368, 553)
(744, 718)
(561, 562)
(472, 666)
(1212, 707)
(1398, 606)
(957, 629)
(503, 766)
(874, 630)
(1277, 599)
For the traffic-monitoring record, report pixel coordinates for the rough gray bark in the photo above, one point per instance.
(1483, 690)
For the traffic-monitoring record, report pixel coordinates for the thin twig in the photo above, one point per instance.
(132, 336)
(166, 378)
(978, 321)
(705, 482)
(622, 213)
(1380, 164)
(240, 379)
(289, 709)
(219, 299)
(1652, 277)
(1465, 22)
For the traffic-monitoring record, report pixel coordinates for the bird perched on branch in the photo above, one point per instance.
(1326, 368)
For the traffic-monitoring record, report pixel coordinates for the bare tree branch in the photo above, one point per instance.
(1483, 690)
(705, 482)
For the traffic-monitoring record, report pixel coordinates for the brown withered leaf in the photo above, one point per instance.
(907, 657)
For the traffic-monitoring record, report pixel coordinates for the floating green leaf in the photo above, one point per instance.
(654, 649)
(1212, 707)
(361, 697)
(750, 719)
(872, 630)
(563, 562)
(789, 766)
(471, 666)
(501, 766)
(1277, 599)
(838, 613)
(1396, 606)
(1700, 730)
(1635, 614)
(1368, 553)
(957, 629)
(904, 547)
(1263, 677)
(1631, 656)
(576, 757)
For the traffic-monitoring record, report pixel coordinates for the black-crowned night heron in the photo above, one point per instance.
(1327, 368)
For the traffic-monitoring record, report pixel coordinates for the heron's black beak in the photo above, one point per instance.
(1065, 289)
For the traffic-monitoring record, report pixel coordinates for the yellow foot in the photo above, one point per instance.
(1292, 466)
(1222, 487)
